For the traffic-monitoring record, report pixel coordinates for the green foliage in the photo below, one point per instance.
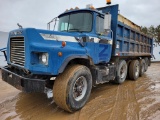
(152, 31)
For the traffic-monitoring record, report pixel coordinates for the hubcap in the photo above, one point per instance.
(79, 88)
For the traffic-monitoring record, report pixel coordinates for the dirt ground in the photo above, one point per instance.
(133, 100)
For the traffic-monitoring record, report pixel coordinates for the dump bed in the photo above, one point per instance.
(128, 40)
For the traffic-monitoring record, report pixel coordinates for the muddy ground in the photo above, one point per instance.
(132, 100)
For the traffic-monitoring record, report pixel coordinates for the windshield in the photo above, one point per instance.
(79, 22)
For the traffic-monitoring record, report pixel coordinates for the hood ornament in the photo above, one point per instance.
(20, 26)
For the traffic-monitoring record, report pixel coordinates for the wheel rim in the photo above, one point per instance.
(123, 71)
(137, 70)
(79, 88)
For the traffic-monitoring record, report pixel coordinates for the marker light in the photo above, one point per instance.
(108, 2)
(92, 8)
(59, 54)
(63, 43)
(76, 8)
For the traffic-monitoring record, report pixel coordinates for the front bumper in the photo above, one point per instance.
(22, 83)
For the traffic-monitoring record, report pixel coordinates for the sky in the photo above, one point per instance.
(37, 13)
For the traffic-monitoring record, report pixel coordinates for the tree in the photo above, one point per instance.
(152, 31)
(144, 30)
(157, 31)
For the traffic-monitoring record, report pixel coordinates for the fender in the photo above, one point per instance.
(66, 61)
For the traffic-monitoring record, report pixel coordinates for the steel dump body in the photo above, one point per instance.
(128, 40)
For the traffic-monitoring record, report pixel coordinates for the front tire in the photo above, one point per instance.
(72, 88)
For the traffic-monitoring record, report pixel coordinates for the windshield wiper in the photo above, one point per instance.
(63, 30)
(74, 29)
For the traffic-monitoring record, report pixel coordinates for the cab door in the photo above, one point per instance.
(105, 41)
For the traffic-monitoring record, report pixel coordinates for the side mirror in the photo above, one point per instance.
(107, 22)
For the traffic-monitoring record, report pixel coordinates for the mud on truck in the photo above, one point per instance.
(91, 47)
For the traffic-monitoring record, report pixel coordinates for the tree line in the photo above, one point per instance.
(152, 31)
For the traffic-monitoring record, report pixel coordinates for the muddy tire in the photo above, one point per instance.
(142, 67)
(121, 72)
(134, 70)
(72, 88)
(146, 64)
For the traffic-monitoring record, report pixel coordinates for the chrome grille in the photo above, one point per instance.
(17, 51)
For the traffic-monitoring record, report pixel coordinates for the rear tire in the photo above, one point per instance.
(134, 69)
(72, 88)
(142, 67)
(121, 72)
(146, 63)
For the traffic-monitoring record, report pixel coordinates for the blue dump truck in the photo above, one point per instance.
(90, 47)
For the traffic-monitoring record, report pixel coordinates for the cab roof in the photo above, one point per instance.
(79, 10)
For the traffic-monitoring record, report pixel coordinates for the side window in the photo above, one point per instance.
(64, 26)
(99, 24)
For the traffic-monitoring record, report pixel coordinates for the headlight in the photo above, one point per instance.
(43, 57)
